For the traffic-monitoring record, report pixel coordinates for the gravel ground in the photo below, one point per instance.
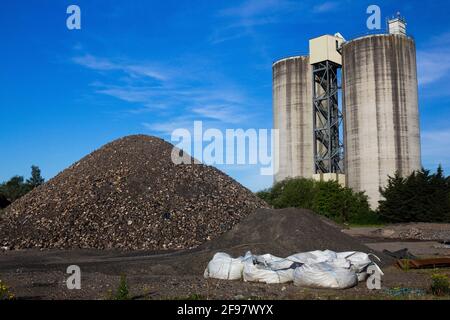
(40, 274)
(406, 231)
(101, 278)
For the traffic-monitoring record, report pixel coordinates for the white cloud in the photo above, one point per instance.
(129, 94)
(95, 63)
(433, 61)
(252, 8)
(212, 116)
(133, 70)
(224, 104)
(146, 108)
(227, 94)
(433, 65)
(223, 113)
(325, 7)
(175, 102)
(240, 20)
(167, 127)
(243, 20)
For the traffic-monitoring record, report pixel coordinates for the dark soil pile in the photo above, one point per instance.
(128, 195)
(285, 232)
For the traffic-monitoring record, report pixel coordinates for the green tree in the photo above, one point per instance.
(420, 197)
(342, 204)
(394, 191)
(14, 188)
(36, 179)
(439, 198)
(326, 198)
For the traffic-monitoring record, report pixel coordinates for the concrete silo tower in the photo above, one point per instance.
(379, 111)
(292, 116)
(380, 106)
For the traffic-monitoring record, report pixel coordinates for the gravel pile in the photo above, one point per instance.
(287, 231)
(416, 231)
(128, 195)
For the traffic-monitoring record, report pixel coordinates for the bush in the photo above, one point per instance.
(420, 197)
(326, 198)
(122, 293)
(290, 193)
(5, 293)
(440, 285)
(4, 202)
(14, 188)
(17, 187)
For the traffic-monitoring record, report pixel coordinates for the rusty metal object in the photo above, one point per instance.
(423, 263)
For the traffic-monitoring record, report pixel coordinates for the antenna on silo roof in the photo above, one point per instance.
(397, 24)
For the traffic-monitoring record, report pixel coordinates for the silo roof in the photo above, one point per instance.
(377, 35)
(290, 57)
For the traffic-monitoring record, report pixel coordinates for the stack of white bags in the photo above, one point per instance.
(316, 269)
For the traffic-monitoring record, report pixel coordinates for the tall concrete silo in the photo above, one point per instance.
(292, 114)
(380, 106)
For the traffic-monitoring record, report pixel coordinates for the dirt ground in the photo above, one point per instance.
(41, 275)
(34, 274)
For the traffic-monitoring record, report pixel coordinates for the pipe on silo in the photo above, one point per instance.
(292, 112)
(381, 116)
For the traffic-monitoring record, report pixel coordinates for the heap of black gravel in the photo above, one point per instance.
(287, 231)
(128, 195)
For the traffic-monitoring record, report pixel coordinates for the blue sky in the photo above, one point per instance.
(152, 66)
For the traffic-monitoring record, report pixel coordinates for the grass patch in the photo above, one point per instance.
(5, 292)
(122, 291)
(440, 285)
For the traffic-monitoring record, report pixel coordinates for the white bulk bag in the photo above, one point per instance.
(223, 266)
(317, 269)
(339, 263)
(273, 262)
(324, 275)
(359, 262)
(258, 272)
(312, 257)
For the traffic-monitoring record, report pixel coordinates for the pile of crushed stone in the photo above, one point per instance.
(128, 195)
